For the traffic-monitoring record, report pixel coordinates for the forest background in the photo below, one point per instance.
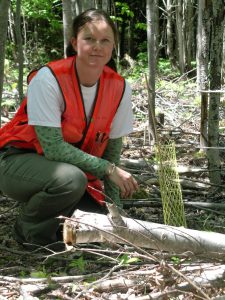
(173, 54)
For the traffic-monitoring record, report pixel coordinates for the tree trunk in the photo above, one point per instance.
(203, 35)
(215, 72)
(106, 5)
(19, 47)
(85, 227)
(11, 31)
(223, 70)
(180, 35)
(67, 22)
(150, 10)
(87, 4)
(101, 4)
(189, 32)
(4, 7)
(169, 33)
(76, 7)
(156, 28)
(122, 39)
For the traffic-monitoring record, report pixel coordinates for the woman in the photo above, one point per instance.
(67, 135)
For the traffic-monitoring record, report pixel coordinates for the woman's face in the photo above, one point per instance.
(94, 44)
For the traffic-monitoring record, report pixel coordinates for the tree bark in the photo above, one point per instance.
(189, 33)
(180, 35)
(203, 35)
(223, 67)
(4, 7)
(67, 22)
(87, 4)
(215, 74)
(76, 7)
(11, 26)
(19, 47)
(169, 33)
(85, 227)
(151, 38)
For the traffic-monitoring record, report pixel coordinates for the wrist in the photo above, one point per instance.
(111, 169)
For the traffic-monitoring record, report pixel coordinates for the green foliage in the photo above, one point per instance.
(39, 9)
(23, 274)
(200, 154)
(197, 101)
(142, 26)
(208, 224)
(42, 272)
(124, 14)
(124, 9)
(175, 260)
(9, 104)
(79, 263)
(164, 68)
(142, 59)
(44, 32)
(140, 67)
(126, 260)
(38, 274)
(140, 194)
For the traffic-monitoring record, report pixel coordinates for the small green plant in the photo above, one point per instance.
(175, 260)
(42, 272)
(23, 274)
(164, 68)
(79, 263)
(208, 223)
(197, 101)
(126, 260)
(39, 274)
(200, 154)
(140, 194)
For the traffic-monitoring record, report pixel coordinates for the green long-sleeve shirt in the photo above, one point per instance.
(55, 148)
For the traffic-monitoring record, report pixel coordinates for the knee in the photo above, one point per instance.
(69, 180)
(78, 182)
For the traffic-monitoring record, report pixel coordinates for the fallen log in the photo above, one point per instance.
(156, 202)
(86, 227)
(143, 164)
(185, 183)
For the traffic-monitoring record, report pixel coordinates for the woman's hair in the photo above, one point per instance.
(90, 15)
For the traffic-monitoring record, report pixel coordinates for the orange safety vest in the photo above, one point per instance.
(91, 138)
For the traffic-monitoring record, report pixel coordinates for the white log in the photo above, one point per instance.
(86, 227)
(142, 164)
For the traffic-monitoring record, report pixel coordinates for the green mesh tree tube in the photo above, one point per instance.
(170, 189)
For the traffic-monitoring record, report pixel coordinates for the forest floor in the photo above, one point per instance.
(100, 271)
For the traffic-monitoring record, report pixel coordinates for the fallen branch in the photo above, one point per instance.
(142, 164)
(156, 202)
(85, 227)
(185, 183)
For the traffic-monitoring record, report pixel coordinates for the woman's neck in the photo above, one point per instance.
(87, 76)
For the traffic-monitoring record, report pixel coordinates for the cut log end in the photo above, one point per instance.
(69, 236)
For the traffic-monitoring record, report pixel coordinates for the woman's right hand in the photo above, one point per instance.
(124, 180)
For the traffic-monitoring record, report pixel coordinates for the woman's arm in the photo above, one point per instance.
(112, 153)
(55, 148)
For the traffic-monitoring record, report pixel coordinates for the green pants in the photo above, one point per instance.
(46, 189)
